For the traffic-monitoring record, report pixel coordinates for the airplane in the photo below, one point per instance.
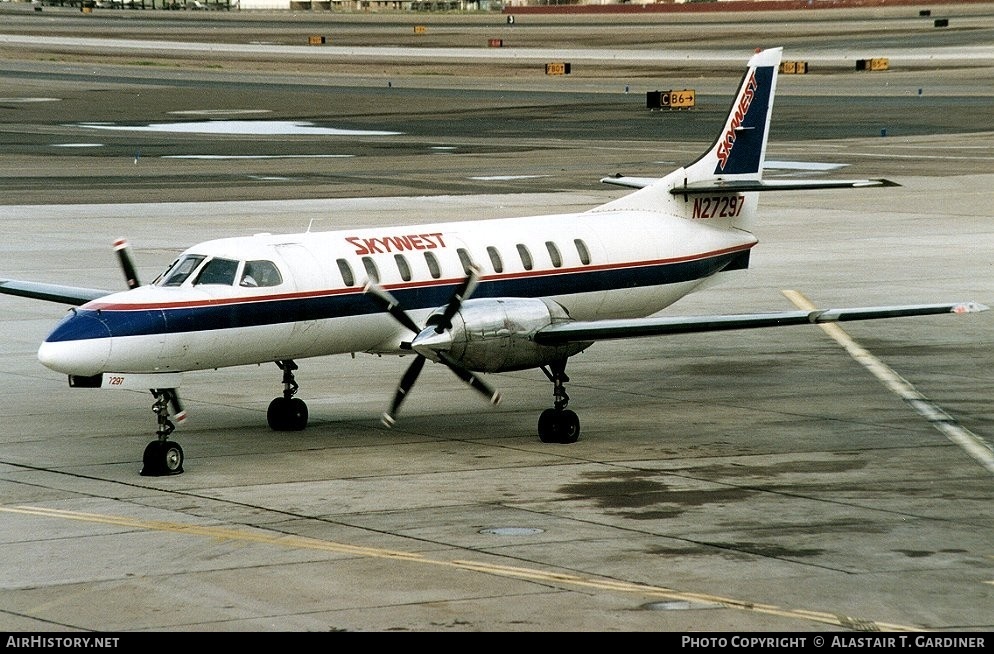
(483, 296)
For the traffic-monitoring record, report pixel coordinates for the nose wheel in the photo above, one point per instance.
(163, 457)
(558, 424)
(287, 413)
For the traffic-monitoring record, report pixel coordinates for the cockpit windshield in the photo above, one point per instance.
(220, 271)
(182, 268)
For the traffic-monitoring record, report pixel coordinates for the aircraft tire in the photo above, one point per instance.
(558, 426)
(162, 458)
(276, 415)
(287, 414)
(547, 426)
(568, 426)
(297, 414)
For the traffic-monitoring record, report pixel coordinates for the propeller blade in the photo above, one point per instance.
(462, 293)
(179, 411)
(441, 323)
(389, 304)
(124, 256)
(471, 379)
(406, 382)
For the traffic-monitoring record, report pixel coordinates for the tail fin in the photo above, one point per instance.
(734, 162)
(740, 149)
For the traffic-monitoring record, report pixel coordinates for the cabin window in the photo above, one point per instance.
(261, 273)
(526, 257)
(581, 249)
(371, 272)
(495, 259)
(466, 260)
(403, 267)
(557, 260)
(346, 270)
(433, 267)
(218, 271)
(182, 269)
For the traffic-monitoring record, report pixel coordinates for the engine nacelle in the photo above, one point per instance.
(495, 334)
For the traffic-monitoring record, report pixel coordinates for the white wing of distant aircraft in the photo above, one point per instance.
(477, 297)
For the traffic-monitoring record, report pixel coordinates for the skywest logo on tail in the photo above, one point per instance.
(725, 145)
(493, 296)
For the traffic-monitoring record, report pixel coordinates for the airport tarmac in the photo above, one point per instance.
(763, 481)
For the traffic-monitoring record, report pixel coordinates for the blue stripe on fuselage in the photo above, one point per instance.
(253, 313)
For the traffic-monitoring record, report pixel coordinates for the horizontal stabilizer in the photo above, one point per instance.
(51, 292)
(584, 332)
(630, 182)
(744, 186)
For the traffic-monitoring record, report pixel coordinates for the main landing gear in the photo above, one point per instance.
(559, 424)
(163, 456)
(287, 413)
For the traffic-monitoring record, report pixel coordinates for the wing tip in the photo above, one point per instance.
(879, 182)
(969, 307)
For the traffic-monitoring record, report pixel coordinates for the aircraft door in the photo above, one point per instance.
(305, 274)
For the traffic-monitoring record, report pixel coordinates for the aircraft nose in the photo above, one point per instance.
(79, 345)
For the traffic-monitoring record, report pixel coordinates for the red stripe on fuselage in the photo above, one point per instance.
(545, 272)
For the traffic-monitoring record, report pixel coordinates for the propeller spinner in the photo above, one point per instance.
(434, 337)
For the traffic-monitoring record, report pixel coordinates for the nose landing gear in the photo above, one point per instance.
(162, 456)
(287, 413)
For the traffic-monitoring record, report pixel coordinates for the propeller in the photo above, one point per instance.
(428, 337)
(123, 251)
(179, 412)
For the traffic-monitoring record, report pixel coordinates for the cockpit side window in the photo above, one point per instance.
(261, 273)
(218, 271)
(181, 269)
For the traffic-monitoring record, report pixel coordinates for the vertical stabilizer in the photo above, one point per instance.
(740, 149)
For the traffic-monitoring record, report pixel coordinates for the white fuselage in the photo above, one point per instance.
(614, 264)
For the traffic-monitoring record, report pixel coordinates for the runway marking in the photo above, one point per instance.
(935, 157)
(505, 178)
(255, 156)
(974, 445)
(220, 112)
(802, 165)
(528, 574)
(25, 100)
(257, 127)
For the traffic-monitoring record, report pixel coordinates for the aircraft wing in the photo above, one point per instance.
(742, 186)
(73, 295)
(598, 330)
